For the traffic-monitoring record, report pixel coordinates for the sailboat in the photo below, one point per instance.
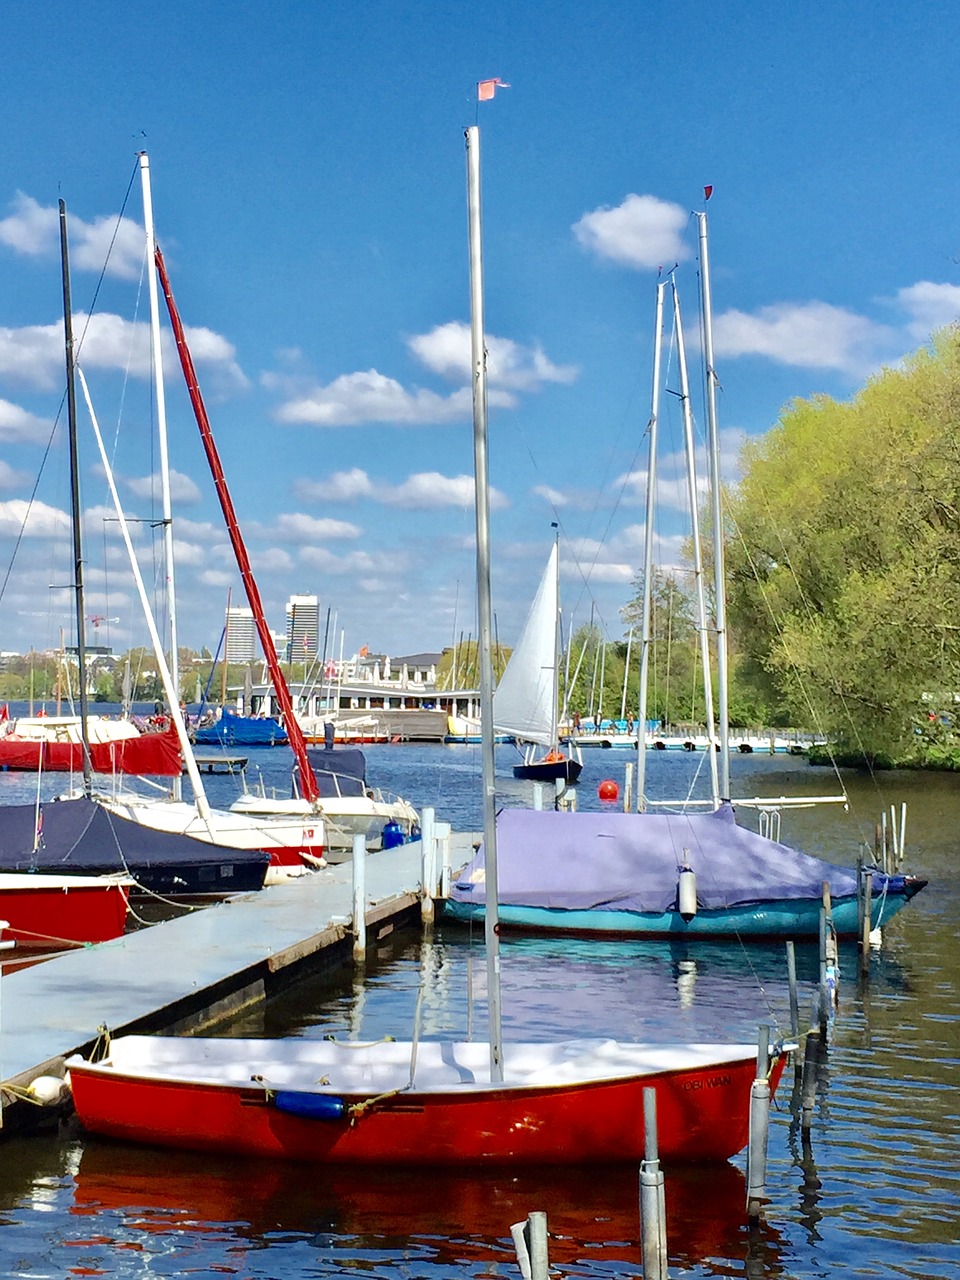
(525, 704)
(674, 874)
(69, 866)
(294, 843)
(460, 1103)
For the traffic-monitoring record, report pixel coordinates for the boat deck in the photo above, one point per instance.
(186, 973)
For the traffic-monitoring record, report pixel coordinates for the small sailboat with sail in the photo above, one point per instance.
(526, 702)
(434, 1103)
(676, 874)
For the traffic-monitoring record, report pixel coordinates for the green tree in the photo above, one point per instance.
(844, 573)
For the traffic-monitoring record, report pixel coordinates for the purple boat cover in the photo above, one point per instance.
(630, 862)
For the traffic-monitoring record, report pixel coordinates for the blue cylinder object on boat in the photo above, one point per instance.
(309, 1106)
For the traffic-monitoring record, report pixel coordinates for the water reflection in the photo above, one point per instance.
(448, 1218)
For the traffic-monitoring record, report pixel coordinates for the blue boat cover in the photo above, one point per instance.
(233, 730)
(631, 862)
(82, 837)
(340, 771)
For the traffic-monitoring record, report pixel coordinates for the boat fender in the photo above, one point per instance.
(47, 1091)
(687, 893)
(309, 1106)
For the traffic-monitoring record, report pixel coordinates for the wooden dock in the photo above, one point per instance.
(189, 973)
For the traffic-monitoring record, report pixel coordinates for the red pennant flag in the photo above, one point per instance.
(487, 88)
(707, 192)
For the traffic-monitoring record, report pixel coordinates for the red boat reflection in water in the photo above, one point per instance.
(449, 1216)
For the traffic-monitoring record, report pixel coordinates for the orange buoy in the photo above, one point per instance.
(608, 790)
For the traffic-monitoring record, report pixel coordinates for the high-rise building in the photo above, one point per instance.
(303, 628)
(241, 634)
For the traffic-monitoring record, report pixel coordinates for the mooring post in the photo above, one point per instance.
(442, 841)
(530, 1242)
(903, 835)
(759, 1128)
(428, 863)
(811, 1060)
(865, 926)
(359, 898)
(628, 787)
(538, 796)
(653, 1216)
(794, 999)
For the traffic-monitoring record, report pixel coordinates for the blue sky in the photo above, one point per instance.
(309, 193)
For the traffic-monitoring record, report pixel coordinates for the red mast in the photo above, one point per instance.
(308, 781)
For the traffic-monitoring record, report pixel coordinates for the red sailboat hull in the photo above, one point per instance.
(43, 910)
(702, 1115)
(151, 754)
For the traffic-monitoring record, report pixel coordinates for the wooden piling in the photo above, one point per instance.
(864, 946)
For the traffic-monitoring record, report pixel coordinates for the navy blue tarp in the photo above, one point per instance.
(82, 837)
(340, 771)
(630, 862)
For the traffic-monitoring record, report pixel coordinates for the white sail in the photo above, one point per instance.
(525, 703)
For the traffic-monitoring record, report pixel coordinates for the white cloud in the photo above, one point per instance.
(35, 520)
(930, 306)
(554, 497)
(10, 479)
(17, 425)
(33, 229)
(299, 527)
(424, 491)
(182, 488)
(342, 486)
(272, 560)
(356, 398)
(808, 335)
(33, 355)
(388, 565)
(430, 489)
(445, 350)
(216, 578)
(642, 232)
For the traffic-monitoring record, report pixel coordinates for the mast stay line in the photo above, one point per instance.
(308, 781)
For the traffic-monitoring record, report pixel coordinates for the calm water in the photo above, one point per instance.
(874, 1193)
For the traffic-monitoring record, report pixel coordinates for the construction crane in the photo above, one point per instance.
(97, 619)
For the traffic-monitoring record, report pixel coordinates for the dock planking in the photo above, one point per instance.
(189, 973)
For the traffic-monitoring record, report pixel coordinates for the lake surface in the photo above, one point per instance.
(875, 1192)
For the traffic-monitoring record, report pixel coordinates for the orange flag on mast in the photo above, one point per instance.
(487, 88)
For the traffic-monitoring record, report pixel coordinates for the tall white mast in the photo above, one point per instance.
(719, 568)
(484, 609)
(647, 595)
(157, 358)
(691, 457)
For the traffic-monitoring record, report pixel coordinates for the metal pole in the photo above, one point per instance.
(75, 499)
(159, 391)
(648, 555)
(693, 498)
(719, 568)
(359, 898)
(759, 1128)
(484, 608)
(653, 1224)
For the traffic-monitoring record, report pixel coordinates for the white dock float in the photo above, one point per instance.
(208, 962)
